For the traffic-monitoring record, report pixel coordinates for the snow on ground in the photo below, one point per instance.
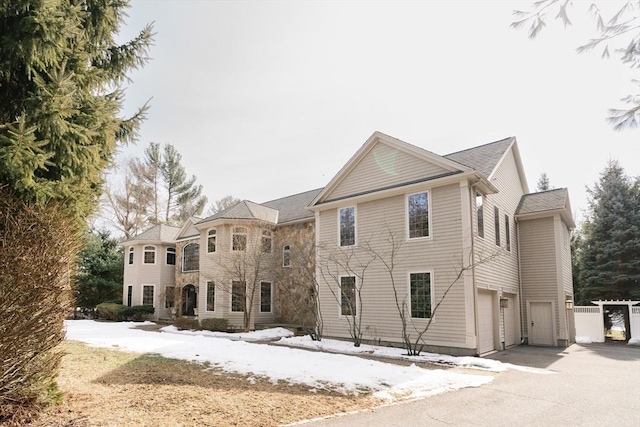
(262, 335)
(318, 370)
(584, 340)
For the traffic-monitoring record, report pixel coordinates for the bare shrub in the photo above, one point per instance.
(37, 260)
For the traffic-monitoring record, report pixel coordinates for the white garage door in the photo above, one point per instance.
(510, 322)
(485, 322)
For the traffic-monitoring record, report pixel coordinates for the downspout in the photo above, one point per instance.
(519, 281)
(473, 269)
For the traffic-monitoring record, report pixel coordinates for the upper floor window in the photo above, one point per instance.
(507, 232)
(171, 256)
(191, 257)
(418, 215)
(286, 256)
(211, 241)
(496, 213)
(131, 250)
(239, 239)
(347, 226)
(420, 288)
(149, 255)
(266, 241)
(480, 214)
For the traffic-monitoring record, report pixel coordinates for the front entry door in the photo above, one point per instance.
(188, 300)
(541, 324)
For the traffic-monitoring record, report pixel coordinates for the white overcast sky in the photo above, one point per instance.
(271, 98)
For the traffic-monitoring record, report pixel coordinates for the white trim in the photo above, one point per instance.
(142, 294)
(131, 259)
(431, 293)
(155, 254)
(182, 258)
(206, 296)
(215, 237)
(355, 286)
(477, 218)
(129, 303)
(355, 226)
(429, 214)
(175, 255)
(245, 234)
(270, 296)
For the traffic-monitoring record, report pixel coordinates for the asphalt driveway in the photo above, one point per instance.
(593, 385)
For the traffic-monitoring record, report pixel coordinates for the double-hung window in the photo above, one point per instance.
(171, 256)
(420, 289)
(418, 215)
(239, 239)
(347, 226)
(149, 255)
(147, 294)
(348, 292)
(238, 291)
(211, 241)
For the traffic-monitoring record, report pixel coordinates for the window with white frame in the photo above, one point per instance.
(129, 295)
(239, 239)
(191, 257)
(147, 294)
(480, 214)
(496, 213)
(211, 296)
(238, 292)
(418, 215)
(348, 296)
(420, 289)
(507, 232)
(266, 241)
(265, 297)
(286, 256)
(171, 256)
(149, 255)
(131, 251)
(347, 225)
(211, 241)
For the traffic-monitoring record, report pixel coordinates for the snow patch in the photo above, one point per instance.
(262, 335)
(584, 340)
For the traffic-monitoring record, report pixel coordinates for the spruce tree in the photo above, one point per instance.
(543, 182)
(609, 262)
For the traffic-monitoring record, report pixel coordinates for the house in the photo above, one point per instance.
(456, 242)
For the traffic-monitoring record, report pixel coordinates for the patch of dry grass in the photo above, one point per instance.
(111, 388)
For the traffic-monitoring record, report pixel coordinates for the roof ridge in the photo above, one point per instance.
(548, 191)
(479, 146)
(291, 195)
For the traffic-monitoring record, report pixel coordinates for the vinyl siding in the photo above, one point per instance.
(567, 273)
(381, 167)
(441, 255)
(538, 262)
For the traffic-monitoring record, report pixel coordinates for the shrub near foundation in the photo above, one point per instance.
(215, 325)
(185, 323)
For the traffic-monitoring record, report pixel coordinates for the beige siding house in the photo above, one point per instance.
(456, 242)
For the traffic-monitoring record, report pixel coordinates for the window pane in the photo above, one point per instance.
(347, 226)
(238, 296)
(149, 256)
(265, 297)
(129, 295)
(418, 215)
(147, 295)
(211, 241)
(348, 296)
(211, 296)
(191, 257)
(420, 295)
(286, 256)
(480, 215)
(131, 256)
(239, 242)
(507, 232)
(496, 213)
(171, 256)
(266, 241)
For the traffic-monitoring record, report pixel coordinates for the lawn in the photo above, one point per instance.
(106, 387)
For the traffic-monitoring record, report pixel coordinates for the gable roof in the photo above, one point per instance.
(188, 231)
(159, 233)
(245, 210)
(556, 200)
(294, 208)
(483, 158)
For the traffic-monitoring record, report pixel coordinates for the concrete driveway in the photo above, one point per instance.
(593, 385)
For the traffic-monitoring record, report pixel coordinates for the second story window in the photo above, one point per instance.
(266, 241)
(418, 215)
(286, 256)
(496, 213)
(191, 257)
(480, 214)
(347, 225)
(211, 241)
(239, 239)
(149, 255)
(507, 232)
(171, 256)
(131, 250)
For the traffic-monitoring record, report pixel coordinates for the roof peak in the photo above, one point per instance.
(481, 145)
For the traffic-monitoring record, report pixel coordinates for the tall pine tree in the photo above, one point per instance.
(609, 262)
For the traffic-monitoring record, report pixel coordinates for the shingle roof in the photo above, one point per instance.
(292, 208)
(543, 201)
(246, 210)
(161, 232)
(484, 158)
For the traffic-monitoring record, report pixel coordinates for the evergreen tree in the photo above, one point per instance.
(543, 183)
(184, 197)
(100, 270)
(60, 96)
(609, 262)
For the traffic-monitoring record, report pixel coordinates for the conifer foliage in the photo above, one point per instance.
(610, 241)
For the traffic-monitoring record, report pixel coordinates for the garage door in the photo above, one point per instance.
(510, 322)
(485, 322)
